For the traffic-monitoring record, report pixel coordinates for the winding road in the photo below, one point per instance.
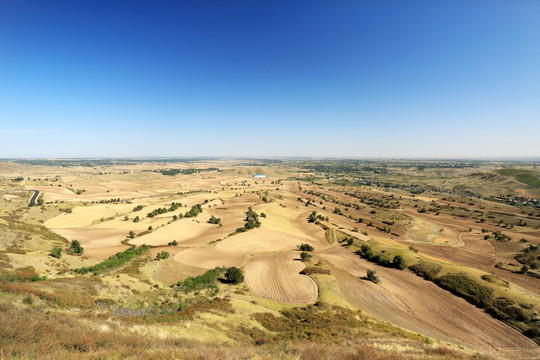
(34, 198)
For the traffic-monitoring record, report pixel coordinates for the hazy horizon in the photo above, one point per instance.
(380, 80)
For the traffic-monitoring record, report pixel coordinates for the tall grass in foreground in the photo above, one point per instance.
(28, 333)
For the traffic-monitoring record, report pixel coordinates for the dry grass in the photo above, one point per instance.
(28, 333)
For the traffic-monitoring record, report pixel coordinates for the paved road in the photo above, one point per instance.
(34, 198)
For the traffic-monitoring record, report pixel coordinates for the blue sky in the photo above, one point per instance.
(270, 78)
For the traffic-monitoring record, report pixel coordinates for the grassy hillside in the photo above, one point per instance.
(528, 177)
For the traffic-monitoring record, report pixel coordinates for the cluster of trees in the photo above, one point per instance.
(162, 255)
(109, 201)
(163, 210)
(313, 217)
(114, 261)
(304, 255)
(194, 211)
(137, 208)
(234, 275)
(75, 248)
(529, 257)
(305, 247)
(499, 236)
(206, 281)
(397, 262)
(252, 221)
(173, 243)
(214, 220)
(172, 172)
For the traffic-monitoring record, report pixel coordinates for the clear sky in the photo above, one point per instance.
(269, 78)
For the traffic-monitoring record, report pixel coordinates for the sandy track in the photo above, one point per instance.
(277, 277)
(418, 305)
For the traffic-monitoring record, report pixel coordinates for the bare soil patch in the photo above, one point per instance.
(277, 277)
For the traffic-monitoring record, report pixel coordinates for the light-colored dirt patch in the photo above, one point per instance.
(103, 253)
(104, 240)
(170, 271)
(428, 232)
(277, 277)
(280, 218)
(197, 231)
(210, 257)
(181, 231)
(260, 240)
(233, 250)
(85, 215)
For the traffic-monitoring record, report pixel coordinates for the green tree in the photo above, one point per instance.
(234, 275)
(162, 255)
(305, 247)
(76, 248)
(56, 252)
(214, 220)
(304, 256)
(372, 276)
(398, 262)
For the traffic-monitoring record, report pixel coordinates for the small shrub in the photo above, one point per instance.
(56, 252)
(372, 276)
(427, 270)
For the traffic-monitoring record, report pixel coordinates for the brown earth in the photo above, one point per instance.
(406, 300)
(277, 277)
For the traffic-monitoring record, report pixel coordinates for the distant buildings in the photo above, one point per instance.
(259, 176)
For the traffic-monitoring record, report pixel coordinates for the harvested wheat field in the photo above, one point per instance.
(210, 257)
(277, 277)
